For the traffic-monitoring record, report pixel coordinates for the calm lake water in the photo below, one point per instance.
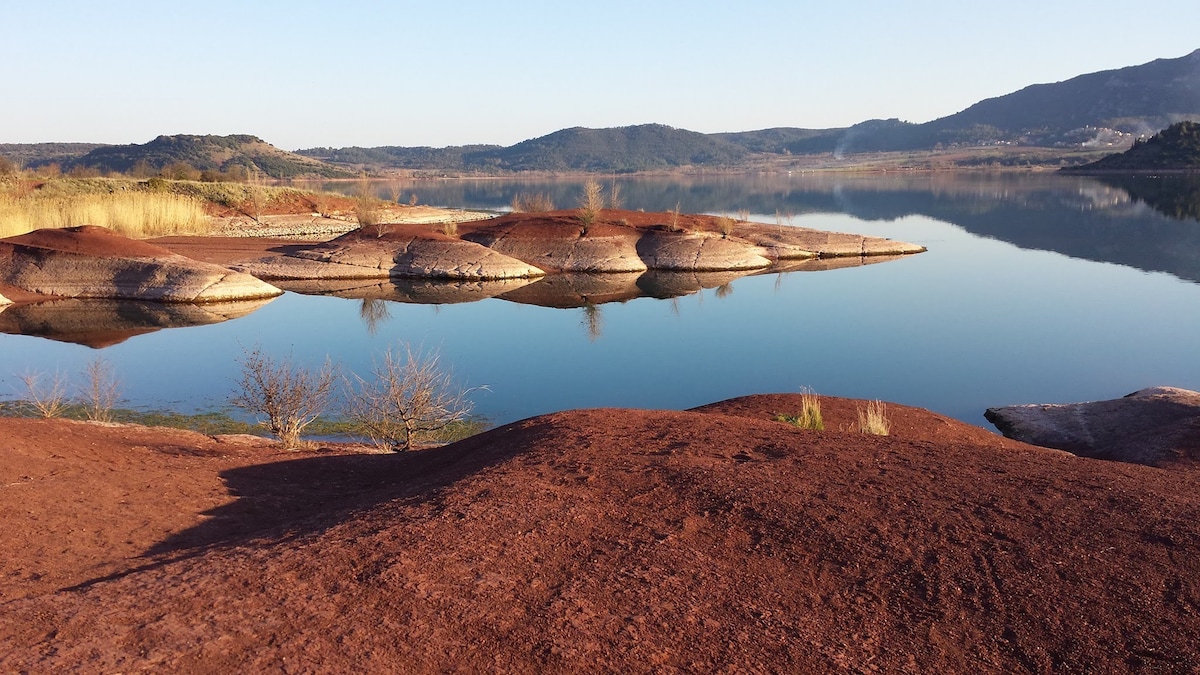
(1035, 289)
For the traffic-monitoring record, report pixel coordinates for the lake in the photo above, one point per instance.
(1035, 288)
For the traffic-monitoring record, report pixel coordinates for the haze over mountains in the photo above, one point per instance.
(1104, 109)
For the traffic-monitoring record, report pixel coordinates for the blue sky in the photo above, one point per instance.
(302, 74)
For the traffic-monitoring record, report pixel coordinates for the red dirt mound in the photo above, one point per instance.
(90, 241)
(598, 540)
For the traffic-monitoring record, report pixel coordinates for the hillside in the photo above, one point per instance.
(1097, 110)
(41, 154)
(712, 540)
(645, 147)
(1104, 108)
(208, 153)
(1176, 148)
(625, 149)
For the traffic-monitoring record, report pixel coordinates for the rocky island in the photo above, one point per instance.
(524, 245)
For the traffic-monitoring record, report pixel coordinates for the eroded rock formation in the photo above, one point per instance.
(94, 262)
(1159, 426)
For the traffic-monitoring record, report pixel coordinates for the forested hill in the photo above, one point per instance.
(238, 154)
(624, 149)
(1176, 148)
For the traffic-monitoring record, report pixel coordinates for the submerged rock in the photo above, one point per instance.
(1159, 426)
(94, 262)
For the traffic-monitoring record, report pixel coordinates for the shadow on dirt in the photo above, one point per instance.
(283, 500)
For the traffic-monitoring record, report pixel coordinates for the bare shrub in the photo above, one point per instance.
(412, 199)
(322, 203)
(725, 224)
(531, 203)
(100, 391)
(449, 228)
(874, 419)
(408, 399)
(614, 196)
(256, 198)
(592, 198)
(285, 397)
(48, 397)
(674, 226)
(590, 203)
(366, 206)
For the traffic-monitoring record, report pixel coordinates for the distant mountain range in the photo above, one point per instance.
(1104, 109)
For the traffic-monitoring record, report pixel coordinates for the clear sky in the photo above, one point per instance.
(302, 73)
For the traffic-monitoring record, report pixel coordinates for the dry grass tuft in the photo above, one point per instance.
(532, 203)
(810, 412)
(874, 419)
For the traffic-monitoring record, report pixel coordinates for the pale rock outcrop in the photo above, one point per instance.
(802, 242)
(94, 262)
(4, 301)
(1159, 426)
(698, 252)
(355, 256)
(565, 249)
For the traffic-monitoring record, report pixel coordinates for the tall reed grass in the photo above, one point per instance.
(133, 214)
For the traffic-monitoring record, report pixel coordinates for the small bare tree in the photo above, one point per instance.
(408, 398)
(590, 203)
(256, 197)
(48, 398)
(615, 201)
(285, 397)
(100, 391)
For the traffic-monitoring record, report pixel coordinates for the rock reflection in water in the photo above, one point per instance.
(560, 291)
(414, 291)
(103, 323)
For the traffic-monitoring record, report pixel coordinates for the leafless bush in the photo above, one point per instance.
(256, 201)
(590, 203)
(366, 206)
(725, 225)
(532, 203)
(614, 196)
(408, 398)
(100, 391)
(674, 226)
(47, 397)
(287, 396)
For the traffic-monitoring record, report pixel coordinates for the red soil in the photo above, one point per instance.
(601, 540)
